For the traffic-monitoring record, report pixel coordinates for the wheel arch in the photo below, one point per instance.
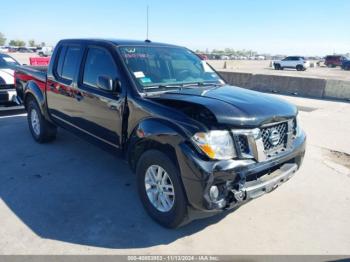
(153, 133)
(32, 90)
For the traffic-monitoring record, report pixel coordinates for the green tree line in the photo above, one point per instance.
(19, 42)
(229, 51)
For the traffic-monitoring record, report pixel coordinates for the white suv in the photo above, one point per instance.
(297, 62)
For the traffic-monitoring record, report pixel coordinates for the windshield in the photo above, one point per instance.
(7, 62)
(167, 67)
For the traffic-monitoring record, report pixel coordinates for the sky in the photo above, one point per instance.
(290, 27)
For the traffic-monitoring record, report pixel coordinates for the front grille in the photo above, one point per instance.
(274, 137)
(243, 144)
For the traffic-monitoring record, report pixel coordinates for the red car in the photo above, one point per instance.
(334, 60)
(202, 56)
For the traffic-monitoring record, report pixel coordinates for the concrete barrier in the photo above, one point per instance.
(337, 89)
(308, 87)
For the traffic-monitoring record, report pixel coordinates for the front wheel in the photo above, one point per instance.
(300, 68)
(41, 130)
(160, 189)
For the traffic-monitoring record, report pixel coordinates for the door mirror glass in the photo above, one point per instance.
(108, 84)
(105, 83)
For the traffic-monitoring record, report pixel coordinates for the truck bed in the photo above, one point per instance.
(35, 72)
(24, 73)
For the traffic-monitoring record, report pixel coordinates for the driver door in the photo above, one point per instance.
(98, 112)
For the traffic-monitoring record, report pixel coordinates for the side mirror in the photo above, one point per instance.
(108, 84)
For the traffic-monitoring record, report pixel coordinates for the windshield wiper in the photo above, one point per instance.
(162, 86)
(201, 84)
(180, 86)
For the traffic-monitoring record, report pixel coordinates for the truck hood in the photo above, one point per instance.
(233, 105)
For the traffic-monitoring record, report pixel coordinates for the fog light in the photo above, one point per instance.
(239, 195)
(214, 193)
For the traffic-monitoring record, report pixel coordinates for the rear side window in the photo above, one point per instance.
(99, 62)
(68, 61)
(71, 61)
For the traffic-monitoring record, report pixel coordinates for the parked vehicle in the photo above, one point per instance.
(334, 60)
(4, 49)
(8, 93)
(346, 64)
(197, 145)
(24, 50)
(45, 51)
(12, 49)
(293, 62)
(225, 57)
(203, 56)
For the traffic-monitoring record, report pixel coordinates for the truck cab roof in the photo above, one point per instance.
(117, 42)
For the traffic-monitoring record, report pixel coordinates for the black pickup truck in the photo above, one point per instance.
(197, 145)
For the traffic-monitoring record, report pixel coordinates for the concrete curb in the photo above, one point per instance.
(308, 87)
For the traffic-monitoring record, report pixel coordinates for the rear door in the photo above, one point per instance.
(62, 81)
(98, 112)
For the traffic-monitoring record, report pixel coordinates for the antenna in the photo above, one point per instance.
(147, 23)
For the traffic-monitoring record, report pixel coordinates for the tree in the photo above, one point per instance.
(42, 44)
(2, 39)
(17, 43)
(31, 43)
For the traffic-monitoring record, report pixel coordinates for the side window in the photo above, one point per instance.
(99, 62)
(70, 63)
(61, 56)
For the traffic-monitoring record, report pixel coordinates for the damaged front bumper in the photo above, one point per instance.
(263, 185)
(238, 181)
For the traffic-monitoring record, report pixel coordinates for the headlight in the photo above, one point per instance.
(216, 144)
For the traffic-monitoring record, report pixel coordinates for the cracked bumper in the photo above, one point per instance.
(239, 180)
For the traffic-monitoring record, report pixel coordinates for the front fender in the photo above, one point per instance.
(154, 133)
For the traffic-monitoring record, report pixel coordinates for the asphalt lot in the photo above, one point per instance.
(71, 197)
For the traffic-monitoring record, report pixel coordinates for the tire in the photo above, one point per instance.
(177, 214)
(42, 131)
(277, 67)
(300, 68)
